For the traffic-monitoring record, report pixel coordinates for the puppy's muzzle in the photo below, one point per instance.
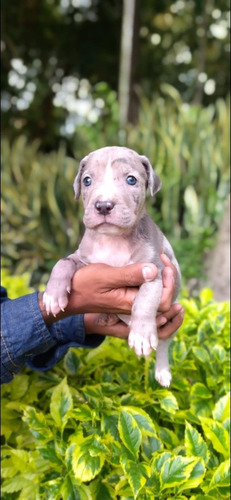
(104, 207)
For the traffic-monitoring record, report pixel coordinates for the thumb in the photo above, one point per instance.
(132, 275)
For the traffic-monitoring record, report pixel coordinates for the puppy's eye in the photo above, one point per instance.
(87, 181)
(131, 180)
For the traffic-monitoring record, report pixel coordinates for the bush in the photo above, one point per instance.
(98, 426)
(188, 147)
(41, 221)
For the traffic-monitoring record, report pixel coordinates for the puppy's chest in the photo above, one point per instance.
(115, 252)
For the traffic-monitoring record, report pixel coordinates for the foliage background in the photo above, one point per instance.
(60, 60)
(60, 71)
(98, 426)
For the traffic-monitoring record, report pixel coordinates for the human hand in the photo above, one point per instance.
(169, 276)
(167, 324)
(172, 314)
(98, 288)
(101, 288)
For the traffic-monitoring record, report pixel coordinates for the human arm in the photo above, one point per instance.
(29, 335)
(168, 321)
(26, 339)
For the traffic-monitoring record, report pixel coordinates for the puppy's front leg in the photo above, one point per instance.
(55, 297)
(143, 331)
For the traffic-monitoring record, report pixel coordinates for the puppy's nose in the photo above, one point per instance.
(104, 207)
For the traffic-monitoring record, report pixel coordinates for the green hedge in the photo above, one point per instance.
(98, 426)
(188, 147)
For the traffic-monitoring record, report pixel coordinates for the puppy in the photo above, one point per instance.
(113, 183)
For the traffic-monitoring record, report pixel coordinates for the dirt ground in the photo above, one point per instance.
(217, 263)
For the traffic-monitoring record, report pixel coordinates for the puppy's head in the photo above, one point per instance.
(113, 183)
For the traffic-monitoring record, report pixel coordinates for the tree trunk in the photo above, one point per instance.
(128, 99)
(217, 263)
(198, 96)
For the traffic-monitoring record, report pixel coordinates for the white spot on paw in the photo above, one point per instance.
(53, 305)
(131, 339)
(154, 341)
(140, 344)
(163, 376)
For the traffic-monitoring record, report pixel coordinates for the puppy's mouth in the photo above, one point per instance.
(107, 220)
(116, 223)
(108, 226)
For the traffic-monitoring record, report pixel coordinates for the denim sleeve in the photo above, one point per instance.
(69, 332)
(25, 338)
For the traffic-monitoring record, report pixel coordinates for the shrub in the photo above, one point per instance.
(98, 426)
(189, 148)
(41, 221)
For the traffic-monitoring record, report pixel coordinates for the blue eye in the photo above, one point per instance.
(131, 180)
(87, 181)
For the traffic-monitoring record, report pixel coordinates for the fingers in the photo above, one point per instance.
(119, 330)
(167, 262)
(132, 275)
(169, 276)
(169, 322)
(103, 288)
(124, 282)
(92, 325)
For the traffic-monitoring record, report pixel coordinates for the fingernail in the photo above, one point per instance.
(182, 312)
(148, 273)
(165, 257)
(162, 321)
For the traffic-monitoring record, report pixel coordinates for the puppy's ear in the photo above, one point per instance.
(77, 181)
(154, 183)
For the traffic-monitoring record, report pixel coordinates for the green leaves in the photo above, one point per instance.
(34, 184)
(179, 352)
(136, 474)
(129, 432)
(99, 426)
(19, 386)
(200, 391)
(221, 476)
(168, 401)
(217, 434)
(38, 424)
(133, 424)
(88, 457)
(221, 410)
(61, 404)
(195, 444)
(175, 471)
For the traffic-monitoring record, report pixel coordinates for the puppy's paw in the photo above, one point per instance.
(55, 303)
(143, 336)
(163, 376)
(141, 345)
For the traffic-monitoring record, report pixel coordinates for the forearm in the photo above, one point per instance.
(23, 333)
(49, 319)
(27, 336)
